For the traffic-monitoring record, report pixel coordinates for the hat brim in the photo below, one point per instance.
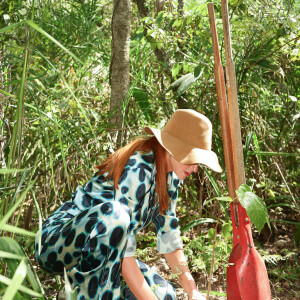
(185, 153)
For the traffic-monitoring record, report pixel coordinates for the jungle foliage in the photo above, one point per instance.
(55, 122)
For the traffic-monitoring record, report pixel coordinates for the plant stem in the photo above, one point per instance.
(295, 202)
(212, 257)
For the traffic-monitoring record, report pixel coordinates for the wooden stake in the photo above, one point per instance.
(222, 102)
(234, 116)
(224, 114)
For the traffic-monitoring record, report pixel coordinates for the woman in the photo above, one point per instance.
(92, 235)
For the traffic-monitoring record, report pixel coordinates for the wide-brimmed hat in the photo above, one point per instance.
(187, 137)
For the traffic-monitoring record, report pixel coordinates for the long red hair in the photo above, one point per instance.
(116, 162)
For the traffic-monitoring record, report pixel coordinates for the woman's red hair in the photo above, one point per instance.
(116, 162)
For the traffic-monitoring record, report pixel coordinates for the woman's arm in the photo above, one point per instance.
(178, 265)
(135, 279)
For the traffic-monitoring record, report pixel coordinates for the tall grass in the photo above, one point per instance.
(51, 129)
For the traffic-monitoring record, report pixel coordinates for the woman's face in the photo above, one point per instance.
(181, 170)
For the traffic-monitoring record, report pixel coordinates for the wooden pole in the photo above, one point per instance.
(223, 108)
(234, 116)
(247, 276)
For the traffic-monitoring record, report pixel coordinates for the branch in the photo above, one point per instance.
(270, 54)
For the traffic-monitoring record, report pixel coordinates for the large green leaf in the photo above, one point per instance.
(141, 98)
(255, 207)
(11, 251)
(184, 82)
(269, 65)
(8, 245)
(22, 288)
(4, 254)
(14, 229)
(16, 282)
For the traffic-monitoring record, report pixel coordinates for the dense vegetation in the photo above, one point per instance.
(55, 121)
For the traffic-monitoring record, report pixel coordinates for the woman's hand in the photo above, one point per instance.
(177, 262)
(196, 295)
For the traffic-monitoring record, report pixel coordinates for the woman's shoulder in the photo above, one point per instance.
(142, 159)
(141, 166)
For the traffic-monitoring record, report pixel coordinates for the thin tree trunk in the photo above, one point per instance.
(159, 6)
(120, 61)
(181, 102)
(180, 7)
(143, 10)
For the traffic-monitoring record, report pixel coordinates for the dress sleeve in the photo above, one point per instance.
(168, 233)
(134, 183)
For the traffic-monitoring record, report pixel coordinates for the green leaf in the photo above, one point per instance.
(7, 94)
(5, 254)
(266, 153)
(142, 100)
(227, 231)
(224, 198)
(11, 228)
(7, 28)
(255, 207)
(269, 65)
(10, 171)
(211, 233)
(22, 288)
(255, 141)
(39, 233)
(12, 252)
(292, 98)
(47, 35)
(137, 36)
(159, 18)
(8, 245)
(175, 70)
(184, 83)
(197, 71)
(16, 282)
(196, 223)
(70, 294)
(214, 183)
(247, 145)
(13, 209)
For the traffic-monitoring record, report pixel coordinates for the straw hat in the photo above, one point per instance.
(187, 137)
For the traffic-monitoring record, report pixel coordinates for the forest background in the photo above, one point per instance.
(75, 84)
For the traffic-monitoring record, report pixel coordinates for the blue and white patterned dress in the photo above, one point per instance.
(92, 232)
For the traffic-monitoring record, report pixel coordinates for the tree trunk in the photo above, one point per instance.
(159, 6)
(143, 10)
(120, 64)
(181, 102)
